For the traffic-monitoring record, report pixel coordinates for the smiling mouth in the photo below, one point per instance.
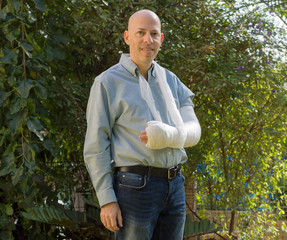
(147, 49)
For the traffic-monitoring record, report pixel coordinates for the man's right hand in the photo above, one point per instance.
(111, 216)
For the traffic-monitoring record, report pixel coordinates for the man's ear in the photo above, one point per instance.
(161, 38)
(126, 37)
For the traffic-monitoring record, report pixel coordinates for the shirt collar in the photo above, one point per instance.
(132, 68)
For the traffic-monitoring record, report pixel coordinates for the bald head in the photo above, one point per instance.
(144, 38)
(143, 14)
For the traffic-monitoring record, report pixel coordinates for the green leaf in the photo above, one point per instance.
(17, 173)
(29, 201)
(23, 183)
(31, 166)
(40, 90)
(3, 13)
(3, 96)
(7, 23)
(43, 214)
(13, 34)
(4, 208)
(49, 145)
(35, 126)
(14, 120)
(31, 40)
(25, 87)
(10, 56)
(30, 214)
(18, 105)
(40, 5)
(9, 210)
(54, 215)
(5, 135)
(7, 164)
(14, 5)
(27, 48)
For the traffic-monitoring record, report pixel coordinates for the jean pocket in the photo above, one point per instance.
(131, 180)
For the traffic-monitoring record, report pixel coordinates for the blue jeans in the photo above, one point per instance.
(152, 208)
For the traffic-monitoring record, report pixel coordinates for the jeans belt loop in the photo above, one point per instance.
(149, 172)
(168, 174)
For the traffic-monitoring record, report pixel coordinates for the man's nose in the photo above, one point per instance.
(148, 38)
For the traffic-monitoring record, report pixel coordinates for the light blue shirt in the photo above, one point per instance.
(116, 114)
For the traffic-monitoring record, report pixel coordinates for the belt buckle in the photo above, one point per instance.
(170, 175)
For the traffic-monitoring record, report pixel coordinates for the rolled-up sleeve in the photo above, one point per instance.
(97, 153)
(185, 95)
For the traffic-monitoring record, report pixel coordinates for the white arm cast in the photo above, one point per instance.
(161, 135)
(191, 126)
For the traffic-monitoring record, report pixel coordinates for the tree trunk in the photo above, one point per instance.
(232, 222)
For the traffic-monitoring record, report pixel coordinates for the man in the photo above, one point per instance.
(140, 116)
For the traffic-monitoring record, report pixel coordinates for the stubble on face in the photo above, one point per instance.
(143, 49)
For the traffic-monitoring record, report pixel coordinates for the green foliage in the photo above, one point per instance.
(42, 125)
(197, 228)
(51, 50)
(242, 109)
(260, 225)
(82, 225)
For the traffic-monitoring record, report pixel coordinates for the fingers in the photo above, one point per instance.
(143, 137)
(111, 216)
(110, 223)
(120, 219)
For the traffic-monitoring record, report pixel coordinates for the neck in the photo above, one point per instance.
(143, 68)
(144, 73)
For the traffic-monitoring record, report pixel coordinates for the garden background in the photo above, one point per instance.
(231, 54)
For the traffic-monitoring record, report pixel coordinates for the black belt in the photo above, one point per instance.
(168, 173)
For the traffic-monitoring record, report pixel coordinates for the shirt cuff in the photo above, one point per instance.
(106, 196)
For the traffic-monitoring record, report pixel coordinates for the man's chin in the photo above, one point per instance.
(149, 56)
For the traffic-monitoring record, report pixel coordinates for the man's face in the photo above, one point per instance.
(144, 38)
